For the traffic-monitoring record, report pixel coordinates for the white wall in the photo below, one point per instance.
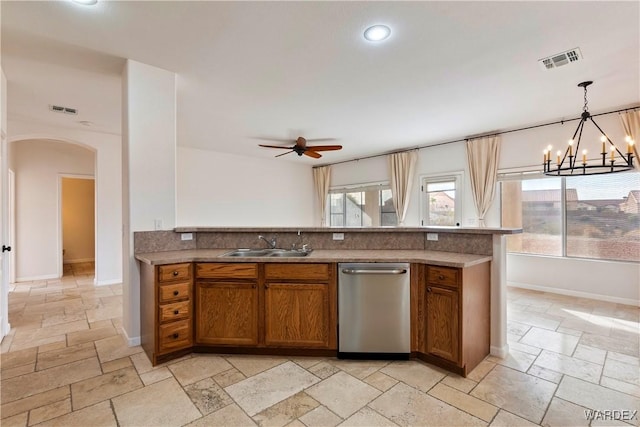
(218, 189)
(38, 165)
(521, 149)
(108, 175)
(149, 166)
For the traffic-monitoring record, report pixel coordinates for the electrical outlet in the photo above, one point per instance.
(186, 236)
(338, 236)
(432, 237)
(157, 224)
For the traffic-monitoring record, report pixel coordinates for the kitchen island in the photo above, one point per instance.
(200, 300)
(448, 264)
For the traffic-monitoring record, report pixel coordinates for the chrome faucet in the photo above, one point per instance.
(272, 243)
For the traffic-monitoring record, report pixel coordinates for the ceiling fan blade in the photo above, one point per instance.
(266, 138)
(312, 154)
(325, 147)
(274, 146)
(284, 153)
(321, 139)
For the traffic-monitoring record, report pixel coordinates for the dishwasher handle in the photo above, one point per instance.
(374, 271)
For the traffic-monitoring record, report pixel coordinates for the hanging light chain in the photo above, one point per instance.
(584, 109)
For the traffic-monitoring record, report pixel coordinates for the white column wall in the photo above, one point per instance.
(219, 189)
(149, 163)
(108, 175)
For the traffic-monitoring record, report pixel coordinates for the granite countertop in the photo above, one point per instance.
(445, 259)
(442, 229)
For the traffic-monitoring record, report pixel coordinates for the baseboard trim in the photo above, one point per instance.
(78, 261)
(108, 282)
(34, 278)
(571, 293)
(500, 352)
(131, 342)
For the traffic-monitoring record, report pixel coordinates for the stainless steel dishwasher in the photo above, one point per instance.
(373, 311)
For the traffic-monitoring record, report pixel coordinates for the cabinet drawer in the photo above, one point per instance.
(174, 336)
(302, 271)
(213, 270)
(170, 272)
(174, 292)
(443, 276)
(175, 311)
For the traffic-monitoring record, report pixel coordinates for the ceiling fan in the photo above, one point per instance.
(301, 147)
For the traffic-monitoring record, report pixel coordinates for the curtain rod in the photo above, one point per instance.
(420, 147)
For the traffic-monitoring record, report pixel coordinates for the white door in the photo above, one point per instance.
(4, 283)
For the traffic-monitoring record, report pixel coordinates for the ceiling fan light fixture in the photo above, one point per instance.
(377, 33)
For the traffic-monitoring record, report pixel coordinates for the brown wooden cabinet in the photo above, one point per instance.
(265, 305)
(299, 306)
(443, 339)
(166, 310)
(226, 304)
(451, 315)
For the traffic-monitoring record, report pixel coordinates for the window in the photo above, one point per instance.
(595, 216)
(362, 206)
(439, 199)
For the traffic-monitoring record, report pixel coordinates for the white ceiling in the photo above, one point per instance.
(284, 69)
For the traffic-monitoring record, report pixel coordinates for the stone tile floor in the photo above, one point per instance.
(65, 363)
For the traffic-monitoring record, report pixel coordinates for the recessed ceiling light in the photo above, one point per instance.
(377, 33)
(85, 2)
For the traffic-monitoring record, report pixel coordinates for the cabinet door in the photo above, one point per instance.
(443, 318)
(297, 315)
(227, 313)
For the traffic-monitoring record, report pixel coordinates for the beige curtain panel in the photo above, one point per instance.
(631, 124)
(322, 181)
(482, 159)
(402, 168)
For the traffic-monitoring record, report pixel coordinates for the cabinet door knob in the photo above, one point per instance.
(176, 293)
(175, 272)
(176, 311)
(429, 289)
(441, 277)
(175, 336)
(266, 286)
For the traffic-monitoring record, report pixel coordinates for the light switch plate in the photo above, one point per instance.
(157, 224)
(338, 236)
(432, 237)
(186, 236)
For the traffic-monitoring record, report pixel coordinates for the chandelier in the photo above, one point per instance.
(613, 160)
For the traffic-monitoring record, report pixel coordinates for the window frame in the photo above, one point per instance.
(362, 188)
(522, 174)
(458, 178)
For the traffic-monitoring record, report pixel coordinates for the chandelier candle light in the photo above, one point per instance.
(566, 164)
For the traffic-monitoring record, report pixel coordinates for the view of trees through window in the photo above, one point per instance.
(601, 212)
(362, 207)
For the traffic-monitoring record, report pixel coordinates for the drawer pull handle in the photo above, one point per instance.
(441, 277)
(176, 293)
(429, 289)
(175, 336)
(176, 311)
(175, 272)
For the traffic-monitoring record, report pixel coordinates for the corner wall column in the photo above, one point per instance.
(499, 346)
(149, 171)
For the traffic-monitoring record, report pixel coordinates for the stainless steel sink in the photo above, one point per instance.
(247, 253)
(263, 253)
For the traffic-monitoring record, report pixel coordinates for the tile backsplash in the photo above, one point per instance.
(158, 241)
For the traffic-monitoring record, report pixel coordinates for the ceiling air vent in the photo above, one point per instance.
(560, 59)
(60, 109)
